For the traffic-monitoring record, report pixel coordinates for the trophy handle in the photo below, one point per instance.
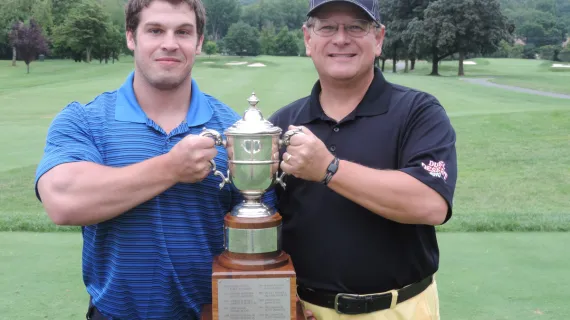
(218, 141)
(279, 179)
(286, 141)
(211, 133)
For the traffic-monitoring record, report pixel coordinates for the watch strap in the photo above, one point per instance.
(331, 170)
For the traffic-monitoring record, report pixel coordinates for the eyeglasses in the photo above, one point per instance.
(355, 28)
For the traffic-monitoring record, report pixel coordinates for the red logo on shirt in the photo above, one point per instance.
(436, 169)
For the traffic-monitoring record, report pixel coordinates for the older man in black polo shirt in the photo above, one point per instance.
(373, 173)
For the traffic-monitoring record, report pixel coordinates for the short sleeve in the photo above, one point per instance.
(428, 151)
(68, 140)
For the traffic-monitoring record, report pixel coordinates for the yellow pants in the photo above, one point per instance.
(424, 306)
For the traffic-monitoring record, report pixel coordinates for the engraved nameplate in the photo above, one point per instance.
(252, 240)
(254, 299)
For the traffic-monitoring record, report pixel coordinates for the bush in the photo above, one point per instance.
(242, 40)
(549, 52)
(529, 51)
(564, 55)
(210, 48)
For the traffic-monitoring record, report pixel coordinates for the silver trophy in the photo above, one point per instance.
(252, 230)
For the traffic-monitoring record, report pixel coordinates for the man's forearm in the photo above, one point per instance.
(391, 194)
(85, 193)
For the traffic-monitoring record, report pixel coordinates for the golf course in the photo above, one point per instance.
(502, 253)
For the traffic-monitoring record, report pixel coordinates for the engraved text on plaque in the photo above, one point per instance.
(254, 299)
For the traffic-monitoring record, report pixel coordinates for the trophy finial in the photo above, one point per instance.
(253, 101)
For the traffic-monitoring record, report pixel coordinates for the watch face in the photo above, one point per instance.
(333, 166)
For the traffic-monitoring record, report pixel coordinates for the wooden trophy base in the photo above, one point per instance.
(253, 286)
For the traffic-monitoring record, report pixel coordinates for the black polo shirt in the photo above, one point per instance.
(338, 245)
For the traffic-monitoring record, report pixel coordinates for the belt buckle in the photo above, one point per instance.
(350, 296)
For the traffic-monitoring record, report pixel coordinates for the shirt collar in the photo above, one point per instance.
(376, 101)
(128, 109)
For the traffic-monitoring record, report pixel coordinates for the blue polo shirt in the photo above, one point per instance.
(154, 261)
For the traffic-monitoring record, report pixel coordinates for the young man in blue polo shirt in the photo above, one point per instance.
(130, 168)
(373, 174)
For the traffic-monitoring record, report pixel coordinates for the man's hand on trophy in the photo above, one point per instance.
(306, 157)
(191, 158)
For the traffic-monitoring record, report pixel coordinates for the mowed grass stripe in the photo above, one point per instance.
(482, 276)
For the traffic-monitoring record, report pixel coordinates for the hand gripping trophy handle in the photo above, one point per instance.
(218, 141)
(286, 141)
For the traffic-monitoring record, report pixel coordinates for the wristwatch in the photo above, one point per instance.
(331, 170)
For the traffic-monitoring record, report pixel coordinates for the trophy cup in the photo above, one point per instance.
(253, 278)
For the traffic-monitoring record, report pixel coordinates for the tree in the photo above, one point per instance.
(541, 28)
(564, 55)
(292, 12)
(251, 15)
(397, 14)
(42, 14)
(549, 52)
(13, 12)
(110, 44)
(210, 48)
(221, 14)
(83, 30)
(61, 9)
(286, 43)
(480, 28)
(539, 22)
(457, 26)
(242, 39)
(276, 13)
(267, 41)
(29, 41)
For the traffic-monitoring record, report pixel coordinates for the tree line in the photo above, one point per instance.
(82, 30)
(432, 30)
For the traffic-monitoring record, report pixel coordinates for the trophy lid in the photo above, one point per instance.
(252, 121)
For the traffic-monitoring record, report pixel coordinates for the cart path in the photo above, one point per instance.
(486, 82)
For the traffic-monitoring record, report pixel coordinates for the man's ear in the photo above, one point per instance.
(307, 40)
(131, 41)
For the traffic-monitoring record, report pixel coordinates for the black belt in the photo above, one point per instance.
(356, 304)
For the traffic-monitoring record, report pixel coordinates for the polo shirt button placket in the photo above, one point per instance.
(336, 129)
(332, 148)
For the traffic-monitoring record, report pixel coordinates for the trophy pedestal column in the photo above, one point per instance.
(253, 285)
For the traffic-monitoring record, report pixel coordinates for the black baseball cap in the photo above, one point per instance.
(371, 7)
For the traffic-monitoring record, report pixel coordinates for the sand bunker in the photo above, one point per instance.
(208, 62)
(469, 62)
(256, 65)
(559, 65)
(236, 63)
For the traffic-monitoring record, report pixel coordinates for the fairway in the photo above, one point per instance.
(513, 161)
(513, 148)
(530, 74)
(483, 276)
(149, 242)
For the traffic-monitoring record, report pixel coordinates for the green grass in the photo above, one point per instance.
(530, 74)
(504, 276)
(482, 276)
(513, 148)
(514, 168)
